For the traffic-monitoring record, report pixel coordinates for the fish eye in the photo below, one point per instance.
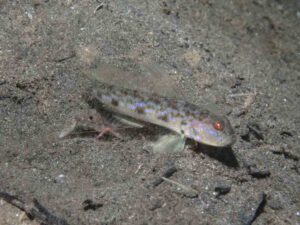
(218, 126)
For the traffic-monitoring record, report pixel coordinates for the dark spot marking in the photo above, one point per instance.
(125, 93)
(110, 88)
(164, 117)
(183, 122)
(182, 131)
(203, 114)
(156, 101)
(179, 115)
(114, 102)
(140, 110)
(136, 94)
(193, 115)
(173, 104)
(174, 114)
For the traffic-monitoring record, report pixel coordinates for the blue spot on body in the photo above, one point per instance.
(198, 139)
(140, 104)
(106, 98)
(159, 114)
(149, 111)
(215, 134)
(131, 107)
(212, 132)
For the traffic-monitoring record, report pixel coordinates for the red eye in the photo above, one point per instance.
(218, 126)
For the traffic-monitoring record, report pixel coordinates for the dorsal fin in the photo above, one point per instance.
(143, 76)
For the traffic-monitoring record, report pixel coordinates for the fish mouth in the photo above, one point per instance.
(225, 142)
(228, 141)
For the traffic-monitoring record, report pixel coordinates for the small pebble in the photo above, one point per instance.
(88, 204)
(222, 189)
(258, 173)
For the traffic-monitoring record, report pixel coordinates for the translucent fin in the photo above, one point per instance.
(69, 127)
(83, 122)
(143, 76)
(128, 122)
(159, 81)
(168, 143)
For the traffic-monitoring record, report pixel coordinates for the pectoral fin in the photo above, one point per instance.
(169, 143)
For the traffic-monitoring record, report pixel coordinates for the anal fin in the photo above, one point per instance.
(130, 122)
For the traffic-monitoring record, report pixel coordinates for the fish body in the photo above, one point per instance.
(184, 118)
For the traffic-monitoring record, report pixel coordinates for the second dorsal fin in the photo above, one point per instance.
(143, 76)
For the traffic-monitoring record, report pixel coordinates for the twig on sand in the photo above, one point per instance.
(33, 210)
(100, 6)
(183, 189)
(168, 173)
(249, 99)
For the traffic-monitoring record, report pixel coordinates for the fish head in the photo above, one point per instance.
(213, 130)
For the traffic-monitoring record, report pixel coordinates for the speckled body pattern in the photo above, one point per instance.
(177, 115)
